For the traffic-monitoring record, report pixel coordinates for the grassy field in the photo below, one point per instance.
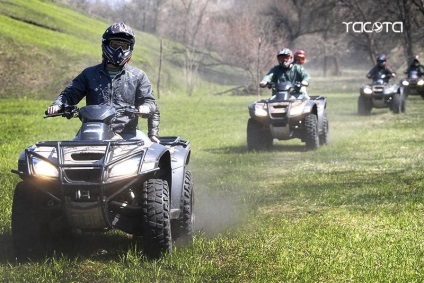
(348, 212)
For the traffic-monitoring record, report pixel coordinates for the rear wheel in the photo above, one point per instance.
(258, 136)
(182, 228)
(155, 222)
(312, 137)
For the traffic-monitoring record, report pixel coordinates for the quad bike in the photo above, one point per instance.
(413, 85)
(381, 94)
(286, 115)
(98, 181)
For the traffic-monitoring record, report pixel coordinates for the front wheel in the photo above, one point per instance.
(397, 103)
(312, 136)
(258, 137)
(364, 105)
(325, 131)
(155, 222)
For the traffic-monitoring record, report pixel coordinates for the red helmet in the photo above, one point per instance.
(300, 56)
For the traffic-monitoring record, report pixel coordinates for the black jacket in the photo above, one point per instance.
(130, 87)
(376, 71)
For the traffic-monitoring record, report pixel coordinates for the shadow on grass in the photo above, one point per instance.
(277, 147)
(109, 246)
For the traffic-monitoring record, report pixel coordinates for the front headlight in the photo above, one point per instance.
(405, 83)
(261, 110)
(367, 90)
(125, 168)
(44, 168)
(420, 82)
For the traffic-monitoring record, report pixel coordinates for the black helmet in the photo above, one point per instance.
(117, 44)
(287, 57)
(381, 60)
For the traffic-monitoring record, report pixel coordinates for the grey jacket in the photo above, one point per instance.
(130, 87)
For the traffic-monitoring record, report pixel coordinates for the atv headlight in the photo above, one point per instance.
(420, 82)
(367, 90)
(125, 168)
(405, 83)
(44, 168)
(261, 110)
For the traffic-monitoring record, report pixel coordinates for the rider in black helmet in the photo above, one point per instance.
(381, 68)
(415, 66)
(114, 82)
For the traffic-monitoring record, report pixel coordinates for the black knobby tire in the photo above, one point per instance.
(364, 105)
(311, 135)
(26, 222)
(397, 103)
(182, 229)
(156, 223)
(324, 137)
(258, 137)
(403, 103)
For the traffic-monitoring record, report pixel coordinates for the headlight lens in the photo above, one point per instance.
(420, 82)
(44, 168)
(405, 83)
(367, 90)
(126, 168)
(261, 110)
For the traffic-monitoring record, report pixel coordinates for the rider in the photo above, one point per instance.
(381, 68)
(116, 83)
(287, 71)
(299, 57)
(415, 66)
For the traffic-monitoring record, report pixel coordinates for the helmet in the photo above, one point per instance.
(381, 60)
(285, 57)
(117, 44)
(300, 56)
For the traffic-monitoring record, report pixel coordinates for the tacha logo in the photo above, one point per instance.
(377, 27)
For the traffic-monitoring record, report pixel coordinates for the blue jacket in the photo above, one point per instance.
(130, 87)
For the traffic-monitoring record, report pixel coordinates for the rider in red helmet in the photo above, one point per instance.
(300, 57)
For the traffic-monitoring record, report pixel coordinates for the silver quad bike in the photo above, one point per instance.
(287, 114)
(98, 181)
(381, 94)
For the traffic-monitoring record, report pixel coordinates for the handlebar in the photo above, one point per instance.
(67, 111)
(72, 111)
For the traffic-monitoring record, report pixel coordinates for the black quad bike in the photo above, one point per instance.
(284, 116)
(381, 94)
(413, 85)
(98, 181)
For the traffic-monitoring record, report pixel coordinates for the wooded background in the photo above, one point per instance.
(248, 33)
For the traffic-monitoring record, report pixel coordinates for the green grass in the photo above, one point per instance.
(348, 212)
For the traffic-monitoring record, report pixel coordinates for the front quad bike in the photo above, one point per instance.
(413, 85)
(98, 181)
(286, 115)
(381, 94)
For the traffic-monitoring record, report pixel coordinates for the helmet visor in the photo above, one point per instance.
(115, 44)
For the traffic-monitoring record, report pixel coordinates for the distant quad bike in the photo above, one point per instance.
(413, 85)
(381, 94)
(98, 181)
(283, 116)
